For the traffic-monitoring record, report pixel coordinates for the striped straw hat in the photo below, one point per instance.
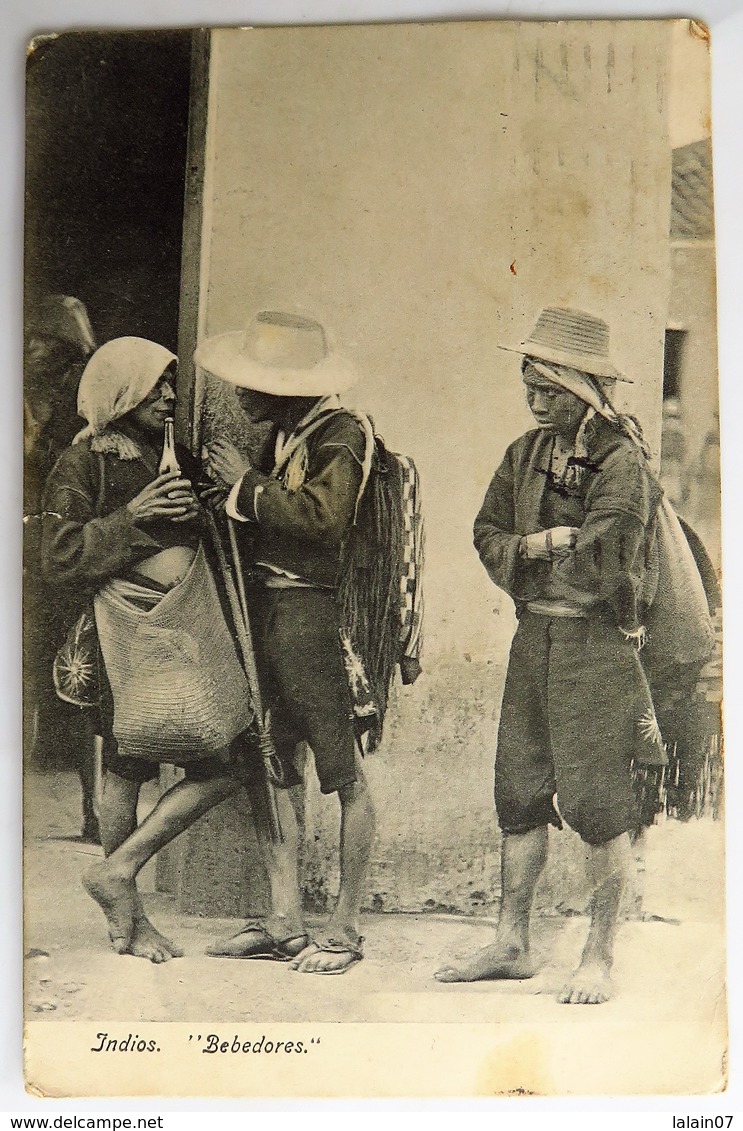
(573, 338)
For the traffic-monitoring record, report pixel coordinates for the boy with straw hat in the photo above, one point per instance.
(294, 513)
(567, 530)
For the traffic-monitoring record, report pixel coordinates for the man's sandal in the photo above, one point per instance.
(326, 944)
(254, 941)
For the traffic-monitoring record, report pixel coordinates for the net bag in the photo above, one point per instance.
(178, 688)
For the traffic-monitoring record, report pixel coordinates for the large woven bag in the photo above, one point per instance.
(179, 691)
(679, 625)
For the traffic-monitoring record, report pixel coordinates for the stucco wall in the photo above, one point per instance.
(425, 190)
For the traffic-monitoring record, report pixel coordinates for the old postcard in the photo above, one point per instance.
(372, 623)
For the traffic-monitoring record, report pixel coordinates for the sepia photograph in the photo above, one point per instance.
(372, 587)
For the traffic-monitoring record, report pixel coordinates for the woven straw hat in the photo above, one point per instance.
(573, 338)
(279, 353)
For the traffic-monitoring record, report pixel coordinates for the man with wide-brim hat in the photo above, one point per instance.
(567, 530)
(294, 511)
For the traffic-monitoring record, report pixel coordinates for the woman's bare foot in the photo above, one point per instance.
(147, 942)
(589, 985)
(117, 898)
(497, 961)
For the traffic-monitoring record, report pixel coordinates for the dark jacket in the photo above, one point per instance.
(614, 568)
(303, 531)
(89, 536)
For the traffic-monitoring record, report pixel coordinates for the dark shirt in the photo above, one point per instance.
(614, 567)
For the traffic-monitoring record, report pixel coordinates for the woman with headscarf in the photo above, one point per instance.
(567, 529)
(110, 517)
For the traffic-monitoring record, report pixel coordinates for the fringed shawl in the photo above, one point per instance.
(292, 454)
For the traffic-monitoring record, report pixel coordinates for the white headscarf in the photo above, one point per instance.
(117, 378)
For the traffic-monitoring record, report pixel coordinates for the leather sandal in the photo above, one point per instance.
(327, 944)
(254, 941)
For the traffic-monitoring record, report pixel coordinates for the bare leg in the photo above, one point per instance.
(523, 857)
(609, 868)
(112, 882)
(130, 930)
(86, 769)
(118, 811)
(118, 820)
(282, 868)
(358, 825)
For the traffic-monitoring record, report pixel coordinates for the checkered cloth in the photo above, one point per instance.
(411, 590)
(380, 582)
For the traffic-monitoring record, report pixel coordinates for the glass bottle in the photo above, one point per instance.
(168, 461)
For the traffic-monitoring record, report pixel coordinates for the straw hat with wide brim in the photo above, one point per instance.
(278, 353)
(573, 338)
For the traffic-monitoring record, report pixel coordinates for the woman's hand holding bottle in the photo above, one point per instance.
(168, 496)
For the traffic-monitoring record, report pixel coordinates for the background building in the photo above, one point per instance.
(691, 429)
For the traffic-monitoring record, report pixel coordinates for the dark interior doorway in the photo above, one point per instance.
(673, 357)
(107, 125)
(107, 132)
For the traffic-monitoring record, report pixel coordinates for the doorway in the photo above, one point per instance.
(107, 119)
(107, 127)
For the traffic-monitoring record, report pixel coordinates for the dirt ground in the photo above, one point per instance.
(668, 968)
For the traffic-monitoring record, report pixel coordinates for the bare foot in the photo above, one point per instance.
(496, 961)
(117, 898)
(590, 984)
(147, 942)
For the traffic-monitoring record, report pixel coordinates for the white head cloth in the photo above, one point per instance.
(582, 385)
(590, 390)
(117, 378)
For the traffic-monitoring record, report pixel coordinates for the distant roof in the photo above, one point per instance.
(692, 215)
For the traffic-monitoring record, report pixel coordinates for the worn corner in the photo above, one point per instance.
(39, 43)
(698, 29)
